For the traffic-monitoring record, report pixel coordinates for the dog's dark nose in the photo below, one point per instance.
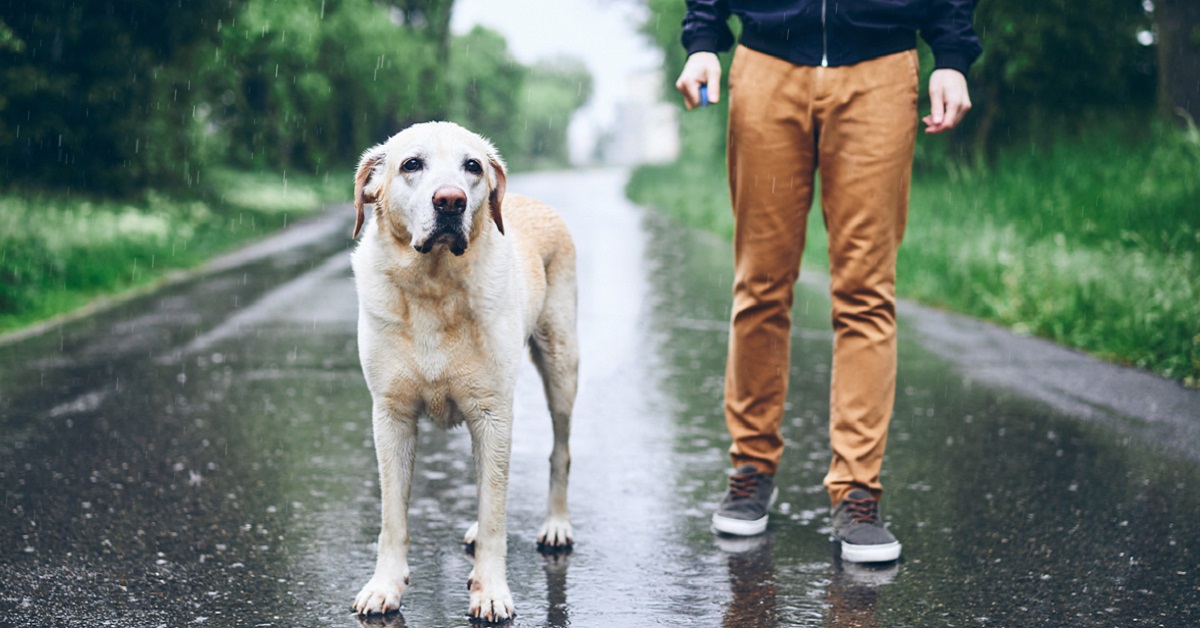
(450, 200)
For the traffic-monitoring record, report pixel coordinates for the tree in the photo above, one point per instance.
(1049, 68)
(485, 84)
(100, 95)
(525, 111)
(432, 17)
(305, 86)
(8, 40)
(1178, 25)
(430, 20)
(553, 92)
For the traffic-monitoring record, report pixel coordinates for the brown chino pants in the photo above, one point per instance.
(855, 125)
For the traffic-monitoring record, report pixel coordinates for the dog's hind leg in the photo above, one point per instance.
(395, 450)
(555, 352)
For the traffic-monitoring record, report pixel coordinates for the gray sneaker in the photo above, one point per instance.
(857, 526)
(743, 512)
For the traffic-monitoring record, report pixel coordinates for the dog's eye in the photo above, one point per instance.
(473, 166)
(412, 165)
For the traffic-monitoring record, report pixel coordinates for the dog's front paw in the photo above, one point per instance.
(555, 534)
(380, 595)
(491, 601)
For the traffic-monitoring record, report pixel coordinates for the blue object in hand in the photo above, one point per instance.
(704, 95)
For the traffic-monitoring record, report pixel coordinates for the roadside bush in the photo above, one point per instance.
(58, 252)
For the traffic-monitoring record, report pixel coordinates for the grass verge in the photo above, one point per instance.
(1094, 244)
(59, 253)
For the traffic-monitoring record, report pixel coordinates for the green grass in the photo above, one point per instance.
(60, 252)
(1094, 244)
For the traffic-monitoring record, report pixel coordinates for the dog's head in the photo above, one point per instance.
(432, 184)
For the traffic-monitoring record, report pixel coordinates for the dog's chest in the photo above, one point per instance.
(438, 337)
(442, 356)
(430, 369)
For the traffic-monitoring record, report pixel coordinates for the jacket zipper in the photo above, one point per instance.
(824, 37)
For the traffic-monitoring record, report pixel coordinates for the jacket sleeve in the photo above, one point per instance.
(950, 35)
(706, 26)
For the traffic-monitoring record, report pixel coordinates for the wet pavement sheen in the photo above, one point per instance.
(202, 456)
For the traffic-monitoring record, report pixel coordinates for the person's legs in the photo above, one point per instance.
(867, 134)
(771, 158)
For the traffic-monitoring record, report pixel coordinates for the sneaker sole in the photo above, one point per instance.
(883, 553)
(739, 527)
(744, 527)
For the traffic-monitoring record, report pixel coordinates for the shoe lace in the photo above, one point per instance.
(863, 510)
(742, 486)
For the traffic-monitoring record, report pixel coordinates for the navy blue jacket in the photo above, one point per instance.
(836, 32)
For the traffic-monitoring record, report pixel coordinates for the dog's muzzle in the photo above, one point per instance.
(450, 235)
(449, 206)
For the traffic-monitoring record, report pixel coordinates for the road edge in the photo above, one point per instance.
(321, 225)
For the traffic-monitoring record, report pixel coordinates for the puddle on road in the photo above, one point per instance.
(244, 492)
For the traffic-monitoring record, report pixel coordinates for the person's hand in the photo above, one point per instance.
(702, 68)
(949, 99)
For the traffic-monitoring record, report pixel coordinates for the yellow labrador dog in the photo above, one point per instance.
(455, 278)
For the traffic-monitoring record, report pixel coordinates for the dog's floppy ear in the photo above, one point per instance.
(365, 189)
(496, 198)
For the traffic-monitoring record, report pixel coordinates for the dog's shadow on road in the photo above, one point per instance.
(555, 563)
(390, 620)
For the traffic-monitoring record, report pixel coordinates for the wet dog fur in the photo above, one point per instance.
(455, 279)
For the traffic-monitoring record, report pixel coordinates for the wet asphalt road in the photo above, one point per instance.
(202, 456)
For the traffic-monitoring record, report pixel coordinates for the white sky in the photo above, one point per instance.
(603, 33)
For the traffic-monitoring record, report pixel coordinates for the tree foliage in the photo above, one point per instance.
(553, 91)
(100, 95)
(487, 82)
(1049, 67)
(301, 86)
(1178, 27)
(524, 110)
(114, 98)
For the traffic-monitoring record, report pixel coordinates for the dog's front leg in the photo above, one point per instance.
(491, 444)
(395, 450)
